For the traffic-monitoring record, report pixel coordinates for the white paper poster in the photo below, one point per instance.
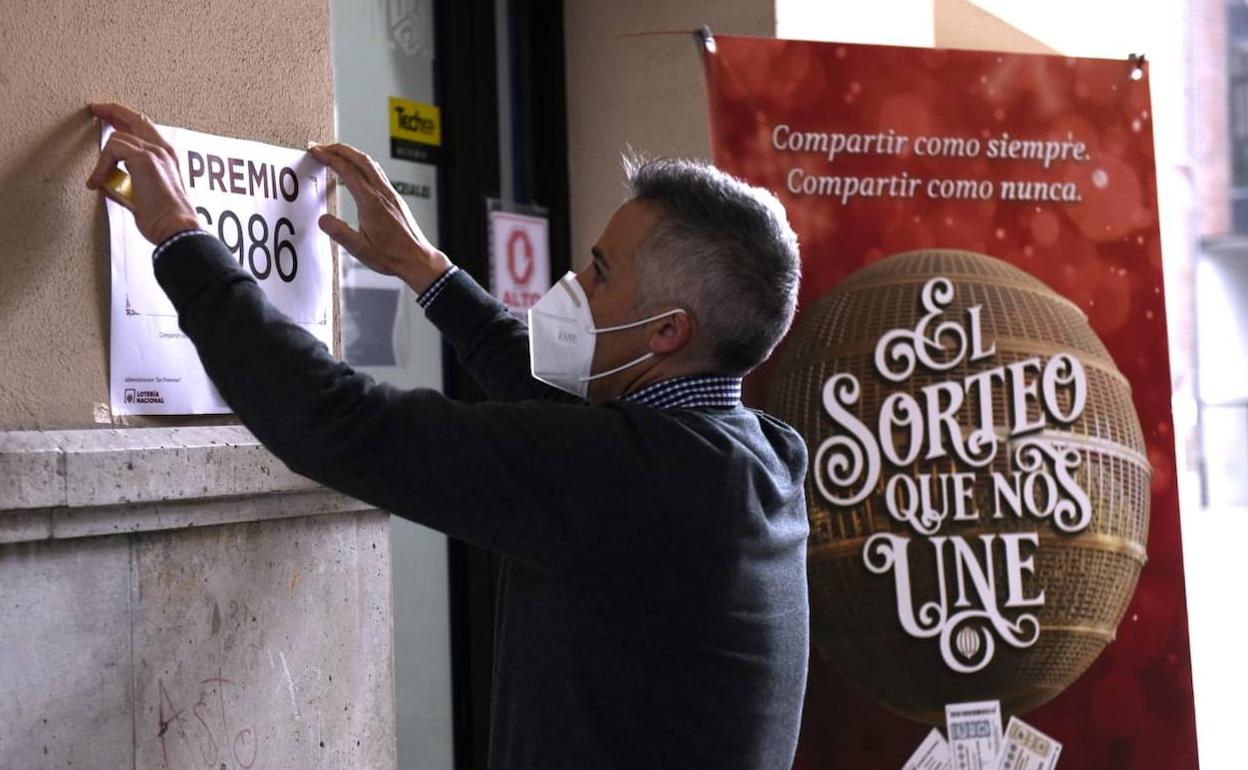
(263, 202)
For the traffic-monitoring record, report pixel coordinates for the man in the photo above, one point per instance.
(652, 603)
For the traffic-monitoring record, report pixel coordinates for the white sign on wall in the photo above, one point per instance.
(263, 203)
(519, 259)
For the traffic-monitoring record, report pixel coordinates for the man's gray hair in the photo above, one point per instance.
(724, 250)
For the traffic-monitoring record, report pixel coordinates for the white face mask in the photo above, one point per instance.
(562, 334)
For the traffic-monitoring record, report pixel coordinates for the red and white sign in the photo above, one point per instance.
(519, 259)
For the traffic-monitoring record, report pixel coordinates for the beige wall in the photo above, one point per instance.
(961, 24)
(643, 92)
(234, 67)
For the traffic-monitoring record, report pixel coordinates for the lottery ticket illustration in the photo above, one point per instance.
(974, 731)
(1026, 748)
(932, 754)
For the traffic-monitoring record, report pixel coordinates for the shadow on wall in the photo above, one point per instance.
(46, 187)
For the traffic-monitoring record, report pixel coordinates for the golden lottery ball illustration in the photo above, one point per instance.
(979, 486)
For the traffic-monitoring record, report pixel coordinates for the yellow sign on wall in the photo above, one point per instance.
(415, 130)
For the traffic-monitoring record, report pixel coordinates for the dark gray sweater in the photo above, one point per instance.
(652, 605)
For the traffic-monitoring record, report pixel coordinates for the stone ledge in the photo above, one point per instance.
(75, 468)
(63, 523)
(90, 483)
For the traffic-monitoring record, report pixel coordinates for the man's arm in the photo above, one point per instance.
(489, 340)
(496, 475)
(491, 343)
(492, 474)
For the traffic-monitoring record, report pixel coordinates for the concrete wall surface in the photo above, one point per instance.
(158, 625)
(263, 644)
(234, 67)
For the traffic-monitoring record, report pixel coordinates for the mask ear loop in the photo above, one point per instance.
(634, 324)
(621, 327)
(610, 372)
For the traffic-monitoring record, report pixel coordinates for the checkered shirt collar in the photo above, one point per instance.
(689, 392)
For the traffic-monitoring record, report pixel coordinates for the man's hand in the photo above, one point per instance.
(389, 240)
(160, 205)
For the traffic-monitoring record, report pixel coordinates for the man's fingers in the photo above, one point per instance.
(357, 159)
(364, 164)
(131, 122)
(119, 147)
(119, 117)
(343, 235)
(354, 178)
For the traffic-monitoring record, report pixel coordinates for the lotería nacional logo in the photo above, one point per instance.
(134, 396)
(978, 491)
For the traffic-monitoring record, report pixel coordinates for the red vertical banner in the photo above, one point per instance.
(979, 367)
